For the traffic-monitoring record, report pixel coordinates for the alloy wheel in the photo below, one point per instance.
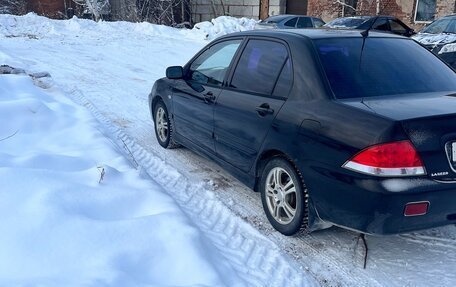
(161, 124)
(281, 195)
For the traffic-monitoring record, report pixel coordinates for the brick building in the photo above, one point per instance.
(204, 10)
(413, 12)
(50, 8)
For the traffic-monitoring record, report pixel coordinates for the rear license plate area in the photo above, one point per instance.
(453, 152)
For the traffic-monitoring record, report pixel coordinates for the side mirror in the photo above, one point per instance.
(174, 72)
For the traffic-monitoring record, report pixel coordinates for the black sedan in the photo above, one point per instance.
(440, 38)
(388, 24)
(288, 21)
(329, 132)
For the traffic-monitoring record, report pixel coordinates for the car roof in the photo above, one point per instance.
(320, 33)
(285, 16)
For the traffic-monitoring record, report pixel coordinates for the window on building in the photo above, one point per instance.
(425, 10)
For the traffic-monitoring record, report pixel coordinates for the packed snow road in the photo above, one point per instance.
(110, 68)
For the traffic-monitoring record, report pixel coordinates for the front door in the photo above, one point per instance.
(246, 109)
(195, 95)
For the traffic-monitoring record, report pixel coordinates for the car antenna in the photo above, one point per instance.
(365, 33)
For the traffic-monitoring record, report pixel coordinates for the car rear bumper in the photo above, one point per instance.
(376, 205)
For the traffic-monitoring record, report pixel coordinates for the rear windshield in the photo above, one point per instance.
(385, 66)
(346, 22)
(275, 19)
(443, 25)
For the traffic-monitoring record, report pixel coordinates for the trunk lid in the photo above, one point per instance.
(429, 120)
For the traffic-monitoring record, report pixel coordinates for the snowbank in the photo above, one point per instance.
(38, 27)
(65, 224)
(224, 25)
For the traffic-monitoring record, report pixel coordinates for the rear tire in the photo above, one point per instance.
(284, 196)
(164, 130)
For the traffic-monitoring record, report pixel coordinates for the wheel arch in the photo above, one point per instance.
(264, 158)
(154, 102)
(261, 164)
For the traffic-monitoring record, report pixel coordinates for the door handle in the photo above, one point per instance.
(264, 109)
(208, 97)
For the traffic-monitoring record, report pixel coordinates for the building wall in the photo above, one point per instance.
(49, 8)
(445, 7)
(324, 9)
(205, 10)
(402, 9)
(277, 7)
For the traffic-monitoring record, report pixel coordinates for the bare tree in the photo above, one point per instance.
(96, 9)
(16, 7)
(168, 12)
(348, 7)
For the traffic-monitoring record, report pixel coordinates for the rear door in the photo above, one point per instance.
(195, 95)
(246, 109)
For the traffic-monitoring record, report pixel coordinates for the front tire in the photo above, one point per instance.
(284, 196)
(164, 130)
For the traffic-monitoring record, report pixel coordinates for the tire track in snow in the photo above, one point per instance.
(257, 260)
(194, 200)
(430, 240)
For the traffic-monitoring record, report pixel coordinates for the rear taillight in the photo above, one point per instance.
(388, 159)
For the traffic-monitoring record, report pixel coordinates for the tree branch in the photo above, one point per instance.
(345, 4)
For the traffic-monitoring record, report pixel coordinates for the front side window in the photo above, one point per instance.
(211, 66)
(425, 10)
(260, 64)
(382, 67)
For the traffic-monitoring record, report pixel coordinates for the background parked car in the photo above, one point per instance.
(380, 23)
(440, 38)
(326, 129)
(289, 21)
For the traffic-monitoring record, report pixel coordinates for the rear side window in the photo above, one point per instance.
(211, 66)
(318, 23)
(291, 23)
(283, 85)
(397, 27)
(381, 24)
(304, 22)
(385, 66)
(259, 66)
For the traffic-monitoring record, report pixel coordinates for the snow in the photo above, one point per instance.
(434, 39)
(78, 210)
(159, 217)
(224, 25)
(62, 227)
